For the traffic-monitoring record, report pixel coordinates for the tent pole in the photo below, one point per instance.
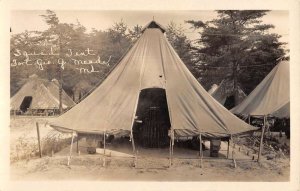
(249, 120)
(172, 135)
(228, 148)
(39, 139)
(261, 140)
(103, 143)
(170, 151)
(233, 152)
(104, 157)
(200, 147)
(70, 154)
(132, 142)
(77, 149)
(172, 145)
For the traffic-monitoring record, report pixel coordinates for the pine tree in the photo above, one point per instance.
(232, 44)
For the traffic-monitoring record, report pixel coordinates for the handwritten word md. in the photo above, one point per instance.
(87, 71)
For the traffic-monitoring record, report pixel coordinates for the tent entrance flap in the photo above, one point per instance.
(26, 103)
(152, 123)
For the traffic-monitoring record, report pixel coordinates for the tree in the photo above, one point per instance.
(236, 45)
(183, 46)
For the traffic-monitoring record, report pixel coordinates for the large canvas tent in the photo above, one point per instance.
(271, 96)
(38, 95)
(224, 94)
(151, 63)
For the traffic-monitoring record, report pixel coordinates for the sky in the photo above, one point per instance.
(22, 20)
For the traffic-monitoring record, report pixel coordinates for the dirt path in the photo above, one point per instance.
(152, 165)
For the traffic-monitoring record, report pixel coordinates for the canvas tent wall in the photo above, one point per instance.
(151, 63)
(225, 91)
(42, 96)
(270, 95)
(53, 87)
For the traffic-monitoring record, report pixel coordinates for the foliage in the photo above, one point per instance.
(61, 38)
(182, 45)
(238, 46)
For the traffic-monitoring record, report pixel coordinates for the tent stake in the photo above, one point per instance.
(261, 140)
(39, 139)
(69, 158)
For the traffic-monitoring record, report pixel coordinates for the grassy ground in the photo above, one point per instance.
(151, 164)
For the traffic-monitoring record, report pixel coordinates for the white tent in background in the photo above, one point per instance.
(212, 89)
(270, 97)
(225, 91)
(39, 95)
(151, 63)
(283, 111)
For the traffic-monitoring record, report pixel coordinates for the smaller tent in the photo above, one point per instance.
(283, 111)
(213, 88)
(53, 87)
(224, 94)
(38, 96)
(81, 89)
(271, 96)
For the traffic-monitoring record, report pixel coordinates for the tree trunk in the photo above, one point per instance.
(60, 81)
(235, 84)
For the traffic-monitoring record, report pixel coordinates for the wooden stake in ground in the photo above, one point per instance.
(261, 140)
(39, 139)
(71, 147)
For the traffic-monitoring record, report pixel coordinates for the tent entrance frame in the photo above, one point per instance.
(26, 103)
(152, 121)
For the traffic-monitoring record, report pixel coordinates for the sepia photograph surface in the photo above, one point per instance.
(198, 96)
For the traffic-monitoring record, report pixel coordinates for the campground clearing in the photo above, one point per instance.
(152, 164)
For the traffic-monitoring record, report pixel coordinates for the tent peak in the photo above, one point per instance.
(154, 24)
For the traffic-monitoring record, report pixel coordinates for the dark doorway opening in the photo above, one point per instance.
(229, 102)
(152, 123)
(26, 103)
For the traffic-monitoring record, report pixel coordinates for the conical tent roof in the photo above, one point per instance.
(53, 87)
(226, 89)
(270, 95)
(151, 62)
(42, 95)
